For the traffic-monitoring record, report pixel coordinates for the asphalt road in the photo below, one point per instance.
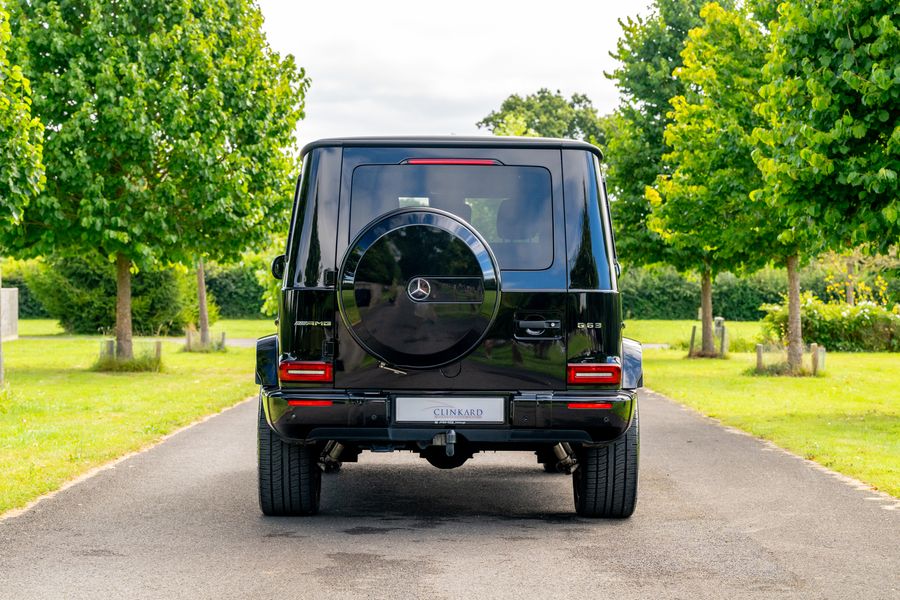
(719, 515)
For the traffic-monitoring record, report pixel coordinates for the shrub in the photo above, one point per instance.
(81, 293)
(14, 277)
(866, 327)
(238, 294)
(658, 293)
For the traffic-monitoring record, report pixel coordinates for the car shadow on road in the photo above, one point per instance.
(377, 499)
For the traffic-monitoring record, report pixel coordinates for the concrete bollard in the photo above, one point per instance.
(759, 358)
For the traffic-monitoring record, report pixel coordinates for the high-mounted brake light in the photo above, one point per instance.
(593, 374)
(486, 162)
(306, 371)
(310, 402)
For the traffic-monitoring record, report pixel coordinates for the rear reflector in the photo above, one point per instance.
(593, 374)
(486, 162)
(310, 402)
(594, 405)
(305, 371)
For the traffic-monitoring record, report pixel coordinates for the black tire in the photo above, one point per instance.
(605, 483)
(290, 480)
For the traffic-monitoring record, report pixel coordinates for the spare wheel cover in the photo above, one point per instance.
(418, 288)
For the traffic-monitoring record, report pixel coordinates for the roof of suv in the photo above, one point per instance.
(453, 142)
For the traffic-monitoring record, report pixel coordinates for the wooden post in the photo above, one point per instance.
(223, 340)
(158, 350)
(814, 356)
(822, 358)
(759, 358)
(111, 348)
(693, 336)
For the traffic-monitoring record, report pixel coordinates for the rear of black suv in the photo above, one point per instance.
(449, 296)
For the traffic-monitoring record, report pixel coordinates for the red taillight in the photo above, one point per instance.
(485, 162)
(594, 405)
(593, 374)
(310, 402)
(305, 371)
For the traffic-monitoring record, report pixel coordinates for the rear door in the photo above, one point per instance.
(452, 269)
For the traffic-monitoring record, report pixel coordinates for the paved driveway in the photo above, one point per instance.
(720, 515)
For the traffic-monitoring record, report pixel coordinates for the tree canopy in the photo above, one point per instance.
(168, 130)
(648, 52)
(545, 114)
(702, 207)
(21, 137)
(829, 150)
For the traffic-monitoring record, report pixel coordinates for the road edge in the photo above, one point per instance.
(17, 512)
(772, 446)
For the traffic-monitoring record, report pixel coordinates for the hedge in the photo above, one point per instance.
(237, 292)
(662, 293)
(81, 294)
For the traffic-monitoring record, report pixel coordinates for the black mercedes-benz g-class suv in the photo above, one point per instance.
(449, 296)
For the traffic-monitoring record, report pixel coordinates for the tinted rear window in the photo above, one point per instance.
(509, 206)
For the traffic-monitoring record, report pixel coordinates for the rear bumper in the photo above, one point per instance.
(530, 419)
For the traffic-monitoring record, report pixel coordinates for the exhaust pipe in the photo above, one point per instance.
(566, 457)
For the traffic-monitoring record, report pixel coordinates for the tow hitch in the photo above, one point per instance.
(447, 440)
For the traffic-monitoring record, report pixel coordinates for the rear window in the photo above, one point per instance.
(509, 206)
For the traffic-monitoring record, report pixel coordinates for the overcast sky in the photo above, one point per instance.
(420, 68)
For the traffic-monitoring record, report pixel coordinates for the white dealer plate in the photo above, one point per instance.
(441, 409)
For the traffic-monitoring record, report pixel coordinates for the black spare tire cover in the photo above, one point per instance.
(418, 288)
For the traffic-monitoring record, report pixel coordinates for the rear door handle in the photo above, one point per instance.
(538, 324)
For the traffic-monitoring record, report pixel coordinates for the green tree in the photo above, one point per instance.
(829, 149)
(545, 114)
(648, 52)
(251, 145)
(702, 208)
(160, 120)
(21, 140)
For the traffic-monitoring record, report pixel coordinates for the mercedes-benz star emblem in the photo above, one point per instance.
(418, 289)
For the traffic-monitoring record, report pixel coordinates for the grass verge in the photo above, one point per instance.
(59, 419)
(243, 328)
(742, 335)
(846, 419)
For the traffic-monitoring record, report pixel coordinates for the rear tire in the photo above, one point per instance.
(290, 480)
(605, 483)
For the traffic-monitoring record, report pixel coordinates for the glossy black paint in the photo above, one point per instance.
(632, 364)
(267, 360)
(359, 417)
(528, 365)
(588, 235)
(421, 246)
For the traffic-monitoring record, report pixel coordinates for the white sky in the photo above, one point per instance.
(421, 68)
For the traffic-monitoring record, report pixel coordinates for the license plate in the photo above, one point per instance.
(455, 410)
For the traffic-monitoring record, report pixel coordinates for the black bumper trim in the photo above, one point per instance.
(368, 418)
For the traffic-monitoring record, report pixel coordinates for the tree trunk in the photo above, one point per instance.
(795, 335)
(202, 314)
(124, 350)
(708, 346)
(1, 333)
(851, 282)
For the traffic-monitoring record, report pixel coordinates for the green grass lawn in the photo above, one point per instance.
(58, 420)
(244, 328)
(29, 327)
(677, 334)
(233, 328)
(847, 419)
